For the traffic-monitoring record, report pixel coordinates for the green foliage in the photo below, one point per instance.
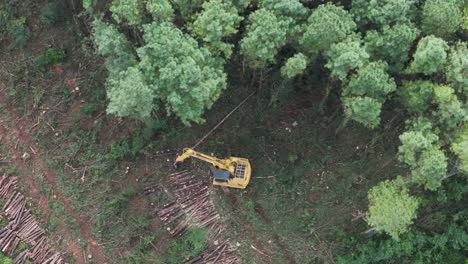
(188, 7)
(183, 76)
(441, 18)
(430, 168)
(114, 46)
(345, 56)
(365, 110)
(383, 12)
(129, 95)
(430, 55)
(457, 67)
(88, 4)
(417, 139)
(372, 81)
(294, 65)
(160, 10)
(186, 247)
(391, 44)
(217, 21)
(13, 27)
(416, 95)
(5, 260)
(326, 25)
(391, 208)
(51, 56)
(460, 148)
(53, 12)
(116, 206)
(290, 8)
(450, 110)
(130, 11)
(266, 34)
(414, 247)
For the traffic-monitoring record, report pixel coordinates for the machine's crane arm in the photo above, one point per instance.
(188, 152)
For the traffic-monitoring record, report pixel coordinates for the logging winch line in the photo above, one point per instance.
(23, 227)
(222, 120)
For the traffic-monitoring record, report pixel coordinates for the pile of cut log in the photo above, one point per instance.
(193, 208)
(23, 227)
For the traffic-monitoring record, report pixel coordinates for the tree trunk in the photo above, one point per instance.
(325, 97)
(342, 125)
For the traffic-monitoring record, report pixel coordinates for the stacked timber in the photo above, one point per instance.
(23, 227)
(193, 208)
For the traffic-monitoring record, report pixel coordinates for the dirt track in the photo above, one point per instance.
(14, 135)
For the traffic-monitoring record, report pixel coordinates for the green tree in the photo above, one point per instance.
(217, 21)
(130, 11)
(187, 8)
(416, 95)
(430, 55)
(450, 110)
(326, 25)
(188, 79)
(294, 65)
(460, 148)
(113, 45)
(383, 12)
(129, 95)
(371, 80)
(457, 67)
(265, 36)
(365, 110)
(391, 44)
(160, 10)
(290, 8)
(345, 56)
(430, 168)
(391, 208)
(441, 18)
(418, 138)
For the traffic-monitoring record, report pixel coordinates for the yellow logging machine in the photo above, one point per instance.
(230, 172)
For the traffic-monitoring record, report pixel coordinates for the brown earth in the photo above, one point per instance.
(21, 139)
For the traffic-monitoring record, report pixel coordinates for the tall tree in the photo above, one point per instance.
(416, 95)
(383, 12)
(129, 95)
(218, 20)
(430, 168)
(430, 55)
(391, 208)
(345, 56)
(391, 44)
(457, 67)
(113, 45)
(294, 66)
(160, 10)
(365, 110)
(183, 76)
(416, 139)
(460, 148)
(130, 11)
(289, 8)
(326, 25)
(441, 18)
(371, 80)
(450, 110)
(266, 34)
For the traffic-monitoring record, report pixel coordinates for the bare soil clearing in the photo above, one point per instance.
(21, 139)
